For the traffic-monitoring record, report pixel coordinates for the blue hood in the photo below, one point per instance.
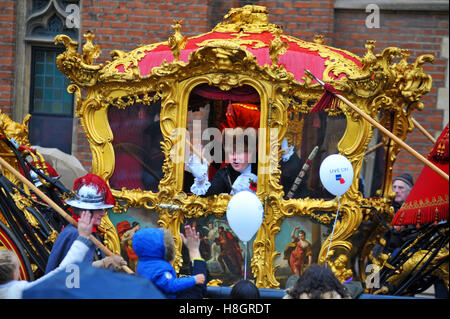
(149, 242)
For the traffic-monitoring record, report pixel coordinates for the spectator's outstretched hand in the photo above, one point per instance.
(192, 241)
(85, 223)
(199, 279)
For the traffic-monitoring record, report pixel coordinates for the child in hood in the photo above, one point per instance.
(155, 249)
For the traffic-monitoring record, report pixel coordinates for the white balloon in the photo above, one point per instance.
(245, 214)
(336, 174)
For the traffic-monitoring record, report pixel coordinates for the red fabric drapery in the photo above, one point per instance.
(428, 200)
(245, 94)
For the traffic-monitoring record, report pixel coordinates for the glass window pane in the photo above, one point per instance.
(39, 68)
(58, 94)
(44, 128)
(50, 57)
(48, 94)
(68, 99)
(49, 68)
(66, 108)
(39, 81)
(51, 106)
(38, 105)
(48, 81)
(138, 155)
(57, 107)
(39, 56)
(38, 94)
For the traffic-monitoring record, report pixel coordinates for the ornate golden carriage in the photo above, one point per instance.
(159, 82)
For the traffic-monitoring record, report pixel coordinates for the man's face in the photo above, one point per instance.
(239, 161)
(401, 191)
(97, 216)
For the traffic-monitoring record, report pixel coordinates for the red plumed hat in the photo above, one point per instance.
(92, 193)
(241, 115)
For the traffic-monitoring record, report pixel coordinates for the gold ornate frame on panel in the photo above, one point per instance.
(381, 87)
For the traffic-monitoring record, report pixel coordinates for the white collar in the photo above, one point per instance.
(248, 170)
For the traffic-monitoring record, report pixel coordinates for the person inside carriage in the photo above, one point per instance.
(238, 171)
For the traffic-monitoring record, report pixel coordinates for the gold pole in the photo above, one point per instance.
(387, 132)
(60, 211)
(422, 129)
(395, 138)
(371, 150)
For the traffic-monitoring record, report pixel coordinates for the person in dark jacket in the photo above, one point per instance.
(401, 186)
(92, 194)
(239, 170)
(155, 250)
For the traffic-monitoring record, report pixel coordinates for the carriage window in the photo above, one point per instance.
(138, 156)
(309, 136)
(222, 128)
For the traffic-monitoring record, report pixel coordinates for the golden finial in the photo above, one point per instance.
(318, 38)
(277, 47)
(90, 51)
(177, 41)
(369, 58)
(15, 130)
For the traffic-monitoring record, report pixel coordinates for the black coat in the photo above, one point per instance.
(223, 180)
(289, 172)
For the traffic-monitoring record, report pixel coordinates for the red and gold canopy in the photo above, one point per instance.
(295, 55)
(428, 200)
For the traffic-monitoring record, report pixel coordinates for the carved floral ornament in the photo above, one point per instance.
(225, 57)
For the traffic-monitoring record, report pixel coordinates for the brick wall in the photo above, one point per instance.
(124, 24)
(302, 19)
(421, 33)
(7, 52)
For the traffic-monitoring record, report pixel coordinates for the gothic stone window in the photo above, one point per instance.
(50, 105)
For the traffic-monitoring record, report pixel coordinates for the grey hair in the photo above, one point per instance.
(169, 244)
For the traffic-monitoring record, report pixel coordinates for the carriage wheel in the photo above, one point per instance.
(9, 241)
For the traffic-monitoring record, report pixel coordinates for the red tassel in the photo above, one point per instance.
(328, 99)
(440, 151)
(418, 220)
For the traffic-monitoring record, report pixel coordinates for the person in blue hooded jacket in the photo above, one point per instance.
(155, 249)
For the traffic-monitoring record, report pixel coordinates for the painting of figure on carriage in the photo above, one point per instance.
(298, 244)
(220, 248)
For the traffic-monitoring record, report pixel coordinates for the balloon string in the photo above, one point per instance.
(334, 225)
(245, 265)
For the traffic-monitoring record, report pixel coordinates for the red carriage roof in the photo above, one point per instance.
(300, 55)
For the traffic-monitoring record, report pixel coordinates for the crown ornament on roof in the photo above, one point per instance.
(249, 18)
